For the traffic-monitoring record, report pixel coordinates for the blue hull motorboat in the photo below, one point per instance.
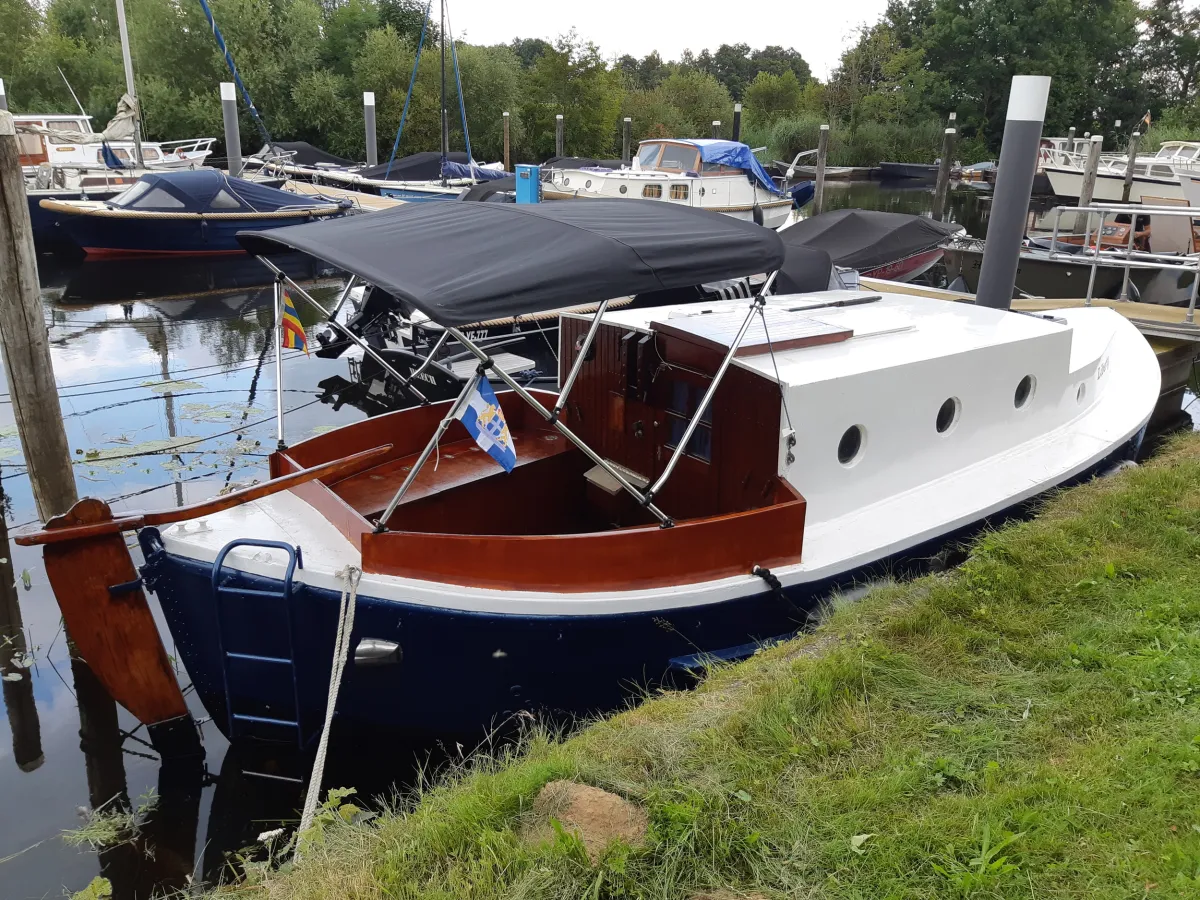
(573, 548)
(195, 212)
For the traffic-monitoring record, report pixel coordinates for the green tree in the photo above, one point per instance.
(346, 27)
(774, 60)
(529, 49)
(699, 98)
(1170, 51)
(572, 79)
(772, 97)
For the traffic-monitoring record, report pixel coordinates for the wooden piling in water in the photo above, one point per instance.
(3, 96)
(716, 128)
(233, 134)
(1134, 140)
(1091, 167)
(626, 136)
(819, 186)
(506, 118)
(18, 695)
(558, 135)
(737, 121)
(26, 348)
(943, 179)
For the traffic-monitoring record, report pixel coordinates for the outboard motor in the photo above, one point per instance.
(376, 320)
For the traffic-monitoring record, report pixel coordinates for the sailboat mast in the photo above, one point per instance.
(445, 122)
(129, 88)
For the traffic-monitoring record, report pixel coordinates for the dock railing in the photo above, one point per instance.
(1128, 258)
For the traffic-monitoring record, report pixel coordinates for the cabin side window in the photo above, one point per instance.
(684, 401)
(225, 200)
(29, 144)
(679, 192)
(719, 169)
(62, 125)
(652, 191)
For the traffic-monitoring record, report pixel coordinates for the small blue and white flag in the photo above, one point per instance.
(484, 419)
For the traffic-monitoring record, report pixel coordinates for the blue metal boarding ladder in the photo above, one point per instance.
(246, 724)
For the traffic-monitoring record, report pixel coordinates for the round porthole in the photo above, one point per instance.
(1081, 392)
(566, 181)
(850, 446)
(623, 189)
(588, 183)
(1024, 391)
(948, 414)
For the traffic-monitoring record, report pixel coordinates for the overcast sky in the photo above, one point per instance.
(819, 29)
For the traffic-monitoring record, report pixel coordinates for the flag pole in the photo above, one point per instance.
(281, 443)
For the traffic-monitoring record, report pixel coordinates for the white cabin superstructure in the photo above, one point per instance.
(1154, 175)
(37, 149)
(676, 171)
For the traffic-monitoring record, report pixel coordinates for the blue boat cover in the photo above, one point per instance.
(210, 191)
(737, 155)
(451, 169)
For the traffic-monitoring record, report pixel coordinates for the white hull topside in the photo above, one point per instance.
(734, 194)
(1096, 381)
(1068, 182)
(1189, 183)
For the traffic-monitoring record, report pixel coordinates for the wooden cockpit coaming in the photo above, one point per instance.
(547, 525)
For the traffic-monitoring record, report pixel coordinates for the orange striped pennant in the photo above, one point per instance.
(293, 332)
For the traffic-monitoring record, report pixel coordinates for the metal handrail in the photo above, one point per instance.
(1128, 258)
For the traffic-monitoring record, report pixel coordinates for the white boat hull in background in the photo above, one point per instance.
(1068, 182)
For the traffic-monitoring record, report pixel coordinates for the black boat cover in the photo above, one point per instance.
(461, 263)
(502, 190)
(424, 166)
(866, 239)
(303, 154)
(210, 191)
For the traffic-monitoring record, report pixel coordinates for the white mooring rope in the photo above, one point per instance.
(341, 652)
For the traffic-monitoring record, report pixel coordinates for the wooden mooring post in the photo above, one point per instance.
(369, 127)
(626, 137)
(943, 179)
(1134, 140)
(1091, 167)
(507, 119)
(558, 135)
(3, 96)
(716, 128)
(819, 187)
(233, 133)
(737, 121)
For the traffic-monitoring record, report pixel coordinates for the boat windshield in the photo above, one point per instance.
(674, 157)
(648, 155)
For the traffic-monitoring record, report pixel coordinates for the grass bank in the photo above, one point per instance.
(1026, 726)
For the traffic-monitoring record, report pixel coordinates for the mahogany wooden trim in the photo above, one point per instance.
(623, 559)
(71, 526)
(114, 633)
(347, 520)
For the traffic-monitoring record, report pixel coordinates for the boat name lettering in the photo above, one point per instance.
(476, 335)
(424, 376)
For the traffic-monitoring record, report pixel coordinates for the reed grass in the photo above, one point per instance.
(866, 144)
(1025, 726)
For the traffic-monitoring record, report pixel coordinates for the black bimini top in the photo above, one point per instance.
(461, 263)
(865, 239)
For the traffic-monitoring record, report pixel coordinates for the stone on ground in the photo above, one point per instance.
(597, 817)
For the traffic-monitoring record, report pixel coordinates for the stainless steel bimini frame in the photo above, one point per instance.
(487, 364)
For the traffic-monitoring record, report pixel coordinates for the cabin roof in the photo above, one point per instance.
(902, 329)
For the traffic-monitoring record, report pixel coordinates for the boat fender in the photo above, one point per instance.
(757, 213)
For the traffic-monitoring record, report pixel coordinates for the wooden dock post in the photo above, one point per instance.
(3, 96)
(1091, 167)
(626, 139)
(1071, 138)
(233, 133)
(1014, 185)
(558, 135)
(369, 123)
(819, 187)
(25, 345)
(737, 121)
(1134, 140)
(506, 119)
(716, 128)
(943, 179)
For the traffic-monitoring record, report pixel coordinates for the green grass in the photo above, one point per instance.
(1025, 726)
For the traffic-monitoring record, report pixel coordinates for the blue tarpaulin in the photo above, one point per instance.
(451, 169)
(737, 155)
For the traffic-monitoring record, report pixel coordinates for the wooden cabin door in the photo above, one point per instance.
(32, 148)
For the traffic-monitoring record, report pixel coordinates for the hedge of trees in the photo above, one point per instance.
(307, 63)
